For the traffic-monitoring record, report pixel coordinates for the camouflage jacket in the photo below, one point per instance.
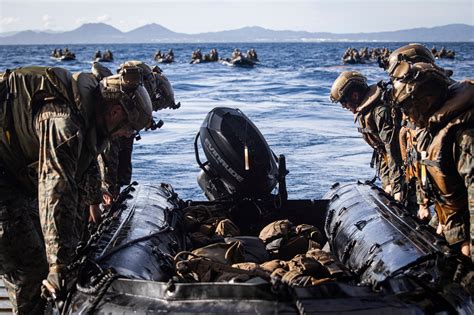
(380, 131)
(48, 138)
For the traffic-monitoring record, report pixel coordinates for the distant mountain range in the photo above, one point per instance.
(155, 33)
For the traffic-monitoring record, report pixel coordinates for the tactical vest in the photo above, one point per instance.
(24, 93)
(445, 126)
(409, 148)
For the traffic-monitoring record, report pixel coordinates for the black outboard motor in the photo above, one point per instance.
(239, 161)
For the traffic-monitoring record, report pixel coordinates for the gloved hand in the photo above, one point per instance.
(55, 284)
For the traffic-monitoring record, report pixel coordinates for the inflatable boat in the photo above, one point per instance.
(373, 256)
(239, 61)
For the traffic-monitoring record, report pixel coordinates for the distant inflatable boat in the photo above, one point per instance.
(64, 58)
(165, 60)
(239, 62)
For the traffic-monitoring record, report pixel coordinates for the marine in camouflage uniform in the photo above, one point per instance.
(446, 112)
(379, 129)
(116, 162)
(412, 138)
(52, 126)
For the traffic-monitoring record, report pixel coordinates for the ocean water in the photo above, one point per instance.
(286, 96)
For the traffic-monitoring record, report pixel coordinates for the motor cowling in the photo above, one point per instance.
(237, 154)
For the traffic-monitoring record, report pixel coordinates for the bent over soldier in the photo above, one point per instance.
(53, 124)
(446, 112)
(413, 139)
(379, 129)
(116, 162)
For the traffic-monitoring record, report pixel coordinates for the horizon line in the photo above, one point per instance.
(49, 31)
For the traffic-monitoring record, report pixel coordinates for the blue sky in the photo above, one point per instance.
(337, 16)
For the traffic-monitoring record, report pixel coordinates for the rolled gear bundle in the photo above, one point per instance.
(284, 241)
(272, 265)
(253, 248)
(227, 228)
(313, 268)
(275, 230)
(225, 253)
(237, 276)
(214, 263)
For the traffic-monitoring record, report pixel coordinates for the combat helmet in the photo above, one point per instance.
(127, 89)
(347, 82)
(156, 83)
(415, 83)
(412, 53)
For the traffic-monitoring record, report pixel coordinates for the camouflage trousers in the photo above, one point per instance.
(23, 262)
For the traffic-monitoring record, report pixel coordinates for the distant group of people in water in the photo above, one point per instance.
(63, 54)
(364, 55)
(107, 55)
(197, 56)
(443, 53)
(164, 58)
(237, 57)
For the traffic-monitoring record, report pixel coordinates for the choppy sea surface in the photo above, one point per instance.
(286, 96)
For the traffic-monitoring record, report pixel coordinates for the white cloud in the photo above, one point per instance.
(6, 20)
(103, 18)
(48, 21)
